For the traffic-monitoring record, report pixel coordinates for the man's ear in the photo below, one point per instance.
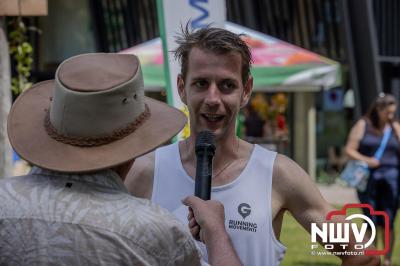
(180, 82)
(247, 89)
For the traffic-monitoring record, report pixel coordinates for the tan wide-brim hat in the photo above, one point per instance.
(92, 116)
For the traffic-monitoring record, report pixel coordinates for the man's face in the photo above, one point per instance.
(213, 91)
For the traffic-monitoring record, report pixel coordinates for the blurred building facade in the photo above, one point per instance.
(363, 35)
(320, 26)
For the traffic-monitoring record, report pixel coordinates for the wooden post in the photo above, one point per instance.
(23, 7)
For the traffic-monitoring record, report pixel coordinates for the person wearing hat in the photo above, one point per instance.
(82, 132)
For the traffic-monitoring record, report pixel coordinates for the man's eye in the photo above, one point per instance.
(228, 86)
(200, 83)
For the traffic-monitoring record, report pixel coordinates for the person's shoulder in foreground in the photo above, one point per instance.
(89, 218)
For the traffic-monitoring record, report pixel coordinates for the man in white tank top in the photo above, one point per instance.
(255, 185)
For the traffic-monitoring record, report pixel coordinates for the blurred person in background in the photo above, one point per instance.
(254, 124)
(382, 190)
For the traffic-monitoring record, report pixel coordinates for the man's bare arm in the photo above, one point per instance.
(303, 199)
(139, 180)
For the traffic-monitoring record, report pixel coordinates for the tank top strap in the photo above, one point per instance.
(263, 161)
(170, 183)
(166, 154)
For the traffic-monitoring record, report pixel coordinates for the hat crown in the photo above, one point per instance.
(97, 72)
(95, 95)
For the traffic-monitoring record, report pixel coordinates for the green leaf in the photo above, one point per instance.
(21, 50)
(27, 47)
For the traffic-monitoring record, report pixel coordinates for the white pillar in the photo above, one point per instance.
(5, 102)
(304, 134)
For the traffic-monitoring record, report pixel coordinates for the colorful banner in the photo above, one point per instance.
(275, 63)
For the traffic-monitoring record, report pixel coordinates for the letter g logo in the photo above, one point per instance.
(244, 210)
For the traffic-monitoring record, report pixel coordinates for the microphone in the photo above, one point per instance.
(205, 149)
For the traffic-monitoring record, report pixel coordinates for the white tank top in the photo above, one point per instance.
(247, 202)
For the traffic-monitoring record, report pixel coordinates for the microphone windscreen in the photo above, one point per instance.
(205, 138)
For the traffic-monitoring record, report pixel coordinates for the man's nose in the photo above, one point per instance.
(213, 95)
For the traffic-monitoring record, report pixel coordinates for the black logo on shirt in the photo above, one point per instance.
(244, 210)
(242, 225)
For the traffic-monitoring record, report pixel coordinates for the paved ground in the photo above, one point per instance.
(338, 194)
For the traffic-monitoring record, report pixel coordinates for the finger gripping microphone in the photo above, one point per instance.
(205, 149)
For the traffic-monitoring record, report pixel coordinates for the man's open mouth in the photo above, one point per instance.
(213, 117)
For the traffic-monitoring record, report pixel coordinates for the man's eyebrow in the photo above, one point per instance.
(199, 78)
(230, 80)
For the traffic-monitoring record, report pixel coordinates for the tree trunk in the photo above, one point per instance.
(5, 103)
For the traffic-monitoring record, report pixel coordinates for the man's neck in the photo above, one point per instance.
(231, 156)
(227, 149)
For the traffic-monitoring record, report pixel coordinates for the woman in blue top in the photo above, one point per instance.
(383, 184)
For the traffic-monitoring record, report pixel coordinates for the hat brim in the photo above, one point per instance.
(30, 140)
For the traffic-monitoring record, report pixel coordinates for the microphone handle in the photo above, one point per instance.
(202, 187)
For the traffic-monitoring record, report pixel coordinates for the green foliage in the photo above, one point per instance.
(22, 52)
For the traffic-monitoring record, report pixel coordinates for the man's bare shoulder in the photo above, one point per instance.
(287, 172)
(294, 185)
(139, 180)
